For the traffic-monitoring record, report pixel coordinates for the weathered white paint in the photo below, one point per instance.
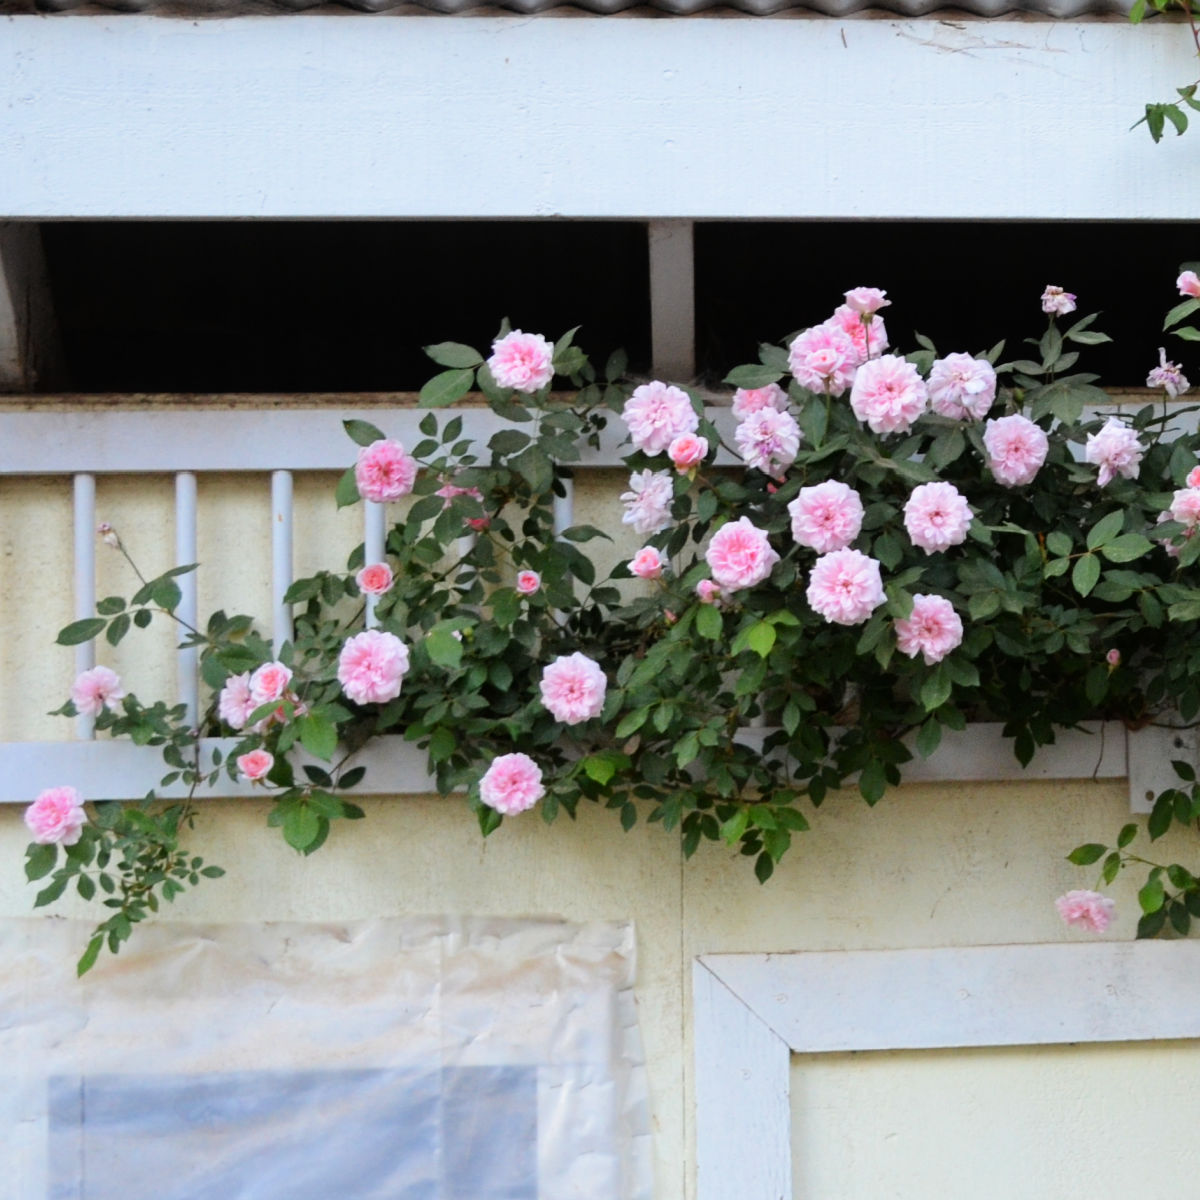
(188, 609)
(552, 116)
(673, 300)
(1151, 752)
(902, 999)
(281, 554)
(84, 534)
(30, 351)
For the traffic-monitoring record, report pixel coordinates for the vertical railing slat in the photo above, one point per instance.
(85, 579)
(188, 610)
(564, 506)
(281, 555)
(374, 546)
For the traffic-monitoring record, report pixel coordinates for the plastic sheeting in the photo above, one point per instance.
(408, 1059)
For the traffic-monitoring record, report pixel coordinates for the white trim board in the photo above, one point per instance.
(329, 116)
(753, 1011)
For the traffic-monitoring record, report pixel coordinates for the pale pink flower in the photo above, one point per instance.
(648, 501)
(823, 359)
(1016, 448)
(845, 587)
(512, 784)
(269, 683)
(56, 817)
(688, 450)
(384, 471)
(1056, 302)
(1188, 284)
(1113, 657)
(107, 534)
(888, 394)
(1185, 507)
(1089, 910)
(375, 580)
(747, 401)
(936, 516)
(1193, 477)
(236, 704)
(522, 361)
(371, 667)
(740, 555)
(657, 414)
(961, 387)
(573, 688)
(932, 629)
(95, 690)
(528, 582)
(866, 300)
(1116, 450)
(647, 563)
(255, 764)
(868, 335)
(1169, 544)
(827, 516)
(707, 592)
(769, 441)
(1169, 376)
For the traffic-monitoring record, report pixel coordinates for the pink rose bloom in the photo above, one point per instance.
(1016, 449)
(512, 784)
(823, 359)
(235, 704)
(826, 517)
(707, 592)
(375, 579)
(845, 587)
(95, 690)
(888, 394)
(269, 683)
(961, 387)
(371, 667)
(1168, 376)
(648, 501)
(936, 516)
(528, 582)
(866, 300)
(932, 629)
(1090, 910)
(748, 401)
(1193, 477)
(868, 335)
(688, 450)
(1056, 302)
(107, 534)
(56, 817)
(647, 563)
(740, 555)
(573, 688)
(657, 414)
(1188, 284)
(768, 441)
(522, 361)
(256, 764)
(1113, 657)
(384, 471)
(1185, 507)
(1168, 544)
(1116, 450)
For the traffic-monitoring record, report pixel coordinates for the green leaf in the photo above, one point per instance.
(346, 492)
(1086, 573)
(81, 631)
(39, 861)
(929, 737)
(760, 638)
(1188, 333)
(454, 354)
(118, 627)
(1126, 548)
(1152, 895)
(535, 467)
(166, 594)
(709, 623)
(51, 892)
(1058, 543)
(442, 744)
(1180, 311)
(87, 960)
(872, 783)
(363, 433)
(632, 722)
(444, 649)
(506, 442)
(1127, 834)
(599, 767)
(1084, 856)
(318, 735)
(446, 388)
(1106, 529)
(936, 688)
(753, 375)
(301, 826)
(110, 605)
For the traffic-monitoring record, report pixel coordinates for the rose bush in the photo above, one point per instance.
(889, 545)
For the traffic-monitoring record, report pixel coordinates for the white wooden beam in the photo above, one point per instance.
(672, 300)
(30, 354)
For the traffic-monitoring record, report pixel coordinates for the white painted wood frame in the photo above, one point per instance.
(753, 1011)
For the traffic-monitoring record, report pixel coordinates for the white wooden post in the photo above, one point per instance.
(281, 555)
(672, 300)
(85, 579)
(188, 661)
(374, 546)
(29, 345)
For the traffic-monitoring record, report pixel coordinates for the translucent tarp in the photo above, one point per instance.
(409, 1059)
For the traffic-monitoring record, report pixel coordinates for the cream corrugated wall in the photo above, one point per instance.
(931, 866)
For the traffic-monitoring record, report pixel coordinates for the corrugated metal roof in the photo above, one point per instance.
(1058, 9)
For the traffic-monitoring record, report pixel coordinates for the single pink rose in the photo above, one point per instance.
(823, 359)
(573, 688)
(522, 361)
(1169, 376)
(1115, 450)
(95, 690)
(528, 582)
(1056, 302)
(647, 563)
(932, 629)
(375, 580)
(56, 817)
(648, 501)
(236, 704)
(656, 415)
(748, 401)
(384, 471)
(845, 587)
(1189, 284)
(1016, 448)
(1193, 478)
(888, 394)
(269, 683)
(1113, 657)
(256, 764)
(827, 516)
(371, 667)
(1088, 910)
(866, 300)
(961, 387)
(740, 555)
(768, 441)
(512, 784)
(707, 592)
(936, 516)
(869, 334)
(688, 450)
(1185, 507)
